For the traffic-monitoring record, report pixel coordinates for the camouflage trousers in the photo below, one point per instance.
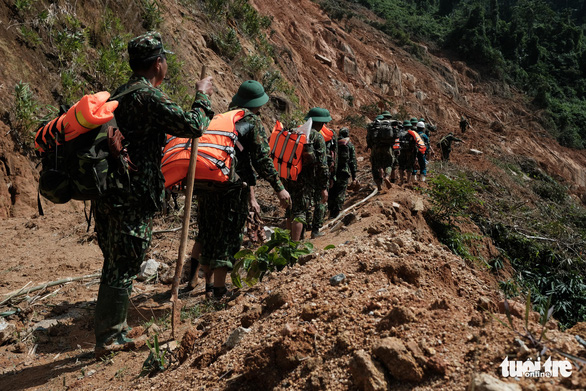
(301, 194)
(221, 219)
(316, 214)
(382, 157)
(124, 235)
(407, 160)
(337, 195)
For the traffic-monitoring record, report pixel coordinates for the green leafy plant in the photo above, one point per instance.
(151, 14)
(30, 37)
(155, 361)
(280, 251)
(23, 5)
(226, 43)
(450, 198)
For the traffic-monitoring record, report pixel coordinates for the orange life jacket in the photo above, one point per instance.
(215, 154)
(88, 113)
(420, 144)
(286, 151)
(327, 133)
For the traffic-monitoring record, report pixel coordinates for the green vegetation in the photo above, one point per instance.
(151, 15)
(278, 252)
(156, 361)
(536, 45)
(530, 218)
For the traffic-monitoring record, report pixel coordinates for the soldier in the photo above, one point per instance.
(380, 138)
(422, 157)
(445, 144)
(347, 167)
(313, 176)
(124, 219)
(408, 153)
(222, 214)
(464, 124)
(319, 208)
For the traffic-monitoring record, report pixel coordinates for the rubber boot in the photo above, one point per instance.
(110, 321)
(193, 277)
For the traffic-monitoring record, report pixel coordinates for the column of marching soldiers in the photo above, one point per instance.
(309, 167)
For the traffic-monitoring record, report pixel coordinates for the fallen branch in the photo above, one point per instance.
(162, 231)
(23, 291)
(535, 237)
(345, 211)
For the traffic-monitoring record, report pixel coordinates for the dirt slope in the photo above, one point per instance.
(305, 333)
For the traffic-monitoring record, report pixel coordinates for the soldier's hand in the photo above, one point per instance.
(205, 85)
(284, 199)
(324, 196)
(255, 206)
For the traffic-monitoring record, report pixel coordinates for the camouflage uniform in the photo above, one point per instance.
(319, 208)
(347, 166)
(408, 152)
(312, 178)
(445, 144)
(381, 156)
(222, 215)
(124, 220)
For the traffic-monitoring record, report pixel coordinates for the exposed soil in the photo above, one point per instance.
(304, 332)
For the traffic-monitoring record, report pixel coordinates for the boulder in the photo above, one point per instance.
(398, 360)
(368, 375)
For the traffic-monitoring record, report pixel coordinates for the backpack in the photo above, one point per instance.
(215, 169)
(83, 154)
(287, 150)
(382, 132)
(343, 150)
(411, 141)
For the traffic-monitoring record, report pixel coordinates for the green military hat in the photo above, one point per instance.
(386, 115)
(250, 94)
(421, 119)
(413, 121)
(317, 114)
(344, 132)
(379, 117)
(407, 124)
(146, 46)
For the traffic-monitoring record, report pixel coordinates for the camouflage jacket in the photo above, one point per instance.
(446, 141)
(347, 164)
(255, 152)
(316, 174)
(144, 117)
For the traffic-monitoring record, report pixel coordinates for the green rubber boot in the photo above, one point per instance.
(110, 321)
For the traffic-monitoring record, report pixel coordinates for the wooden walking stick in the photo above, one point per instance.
(176, 315)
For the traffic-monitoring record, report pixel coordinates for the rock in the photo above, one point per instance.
(268, 231)
(277, 299)
(188, 343)
(374, 230)
(367, 374)
(7, 331)
(251, 316)
(337, 279)
(440, 305)
(153, 329)
(236, 336)
(309, 312)
(398, 360)
(288, 330)
(515, 308)
(396, 206)
(349, 218)
(147, 269)
(437, 365)
(417, 205)
(485, 304)
(324, 59)
(396, 317)
(485, 382)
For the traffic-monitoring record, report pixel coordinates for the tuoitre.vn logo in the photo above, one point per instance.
(534, 368)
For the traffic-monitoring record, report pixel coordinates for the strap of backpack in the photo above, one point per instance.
(133, 88)
(88, 216)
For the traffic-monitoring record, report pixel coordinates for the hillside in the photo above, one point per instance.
(405, 294)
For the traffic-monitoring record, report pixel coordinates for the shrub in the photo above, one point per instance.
(151, 14)
(226, 43)
(450, 198)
